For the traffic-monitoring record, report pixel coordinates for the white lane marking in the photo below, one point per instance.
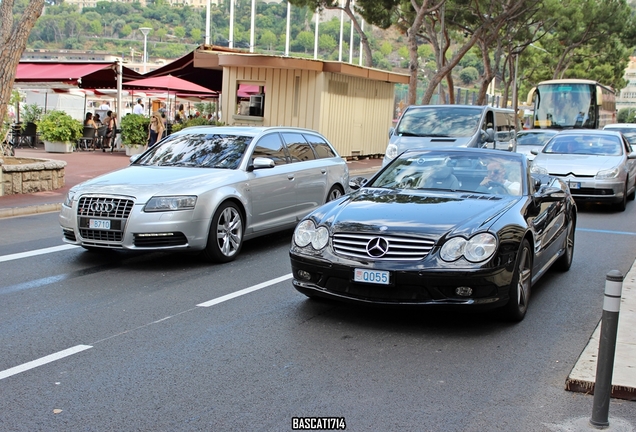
(36, 252)
(42, 361)
(244, 291)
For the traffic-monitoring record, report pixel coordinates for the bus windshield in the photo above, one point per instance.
(564, 106)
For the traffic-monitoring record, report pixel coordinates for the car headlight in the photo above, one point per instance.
(306, 233)
(170, 203)
(477, 249)
(536, 169)
(70, 196)
(391, 151)
(608, 174)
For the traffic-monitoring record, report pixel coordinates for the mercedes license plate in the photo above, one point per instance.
(103, 224)
(371, 276)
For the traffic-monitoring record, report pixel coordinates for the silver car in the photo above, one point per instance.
(598, 165)
(533, 139)
(207, 188)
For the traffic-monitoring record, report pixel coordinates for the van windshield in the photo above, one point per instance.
(436, 121)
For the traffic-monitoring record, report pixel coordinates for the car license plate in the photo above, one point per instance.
(574, 185)
(371, 276)
(103, 224)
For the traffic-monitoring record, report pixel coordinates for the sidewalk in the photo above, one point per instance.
(84, 165)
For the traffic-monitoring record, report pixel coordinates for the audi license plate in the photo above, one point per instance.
(103, 224)
(371, 276)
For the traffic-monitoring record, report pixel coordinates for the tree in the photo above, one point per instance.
(14, 35)
(305, 39)
(268, 39)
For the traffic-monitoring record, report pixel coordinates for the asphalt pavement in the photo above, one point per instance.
(84, 165)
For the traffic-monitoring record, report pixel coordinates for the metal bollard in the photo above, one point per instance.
(607, 349)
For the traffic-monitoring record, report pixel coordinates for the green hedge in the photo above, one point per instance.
(134, 130)
(57, 126)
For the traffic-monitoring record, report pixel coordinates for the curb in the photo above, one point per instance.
(29, 210)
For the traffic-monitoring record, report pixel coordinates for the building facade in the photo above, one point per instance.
(627, 97)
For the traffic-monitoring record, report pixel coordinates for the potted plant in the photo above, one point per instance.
(60, 132)
(32, 115)
(134, 133)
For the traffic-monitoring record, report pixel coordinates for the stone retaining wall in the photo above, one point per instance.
(36, 175)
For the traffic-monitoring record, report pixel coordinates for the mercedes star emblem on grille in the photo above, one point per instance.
(102, 207)
(377, 247)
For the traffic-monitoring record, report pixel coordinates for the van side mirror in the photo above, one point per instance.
(391, 130)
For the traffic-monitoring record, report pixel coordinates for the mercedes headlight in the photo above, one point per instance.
(477, 249)
(306, 233)
(170, 203)
(608, 174)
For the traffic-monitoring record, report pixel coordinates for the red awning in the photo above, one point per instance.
(84, 75)
(68, 72)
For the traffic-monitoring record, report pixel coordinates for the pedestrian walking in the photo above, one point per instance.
(155, 129)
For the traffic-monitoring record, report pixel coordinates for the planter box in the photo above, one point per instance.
(58, 147)
(27, 175)
(134, 150)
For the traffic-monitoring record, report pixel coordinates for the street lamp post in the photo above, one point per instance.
(145, 31)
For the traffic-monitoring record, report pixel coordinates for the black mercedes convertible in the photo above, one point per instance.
(439, 228)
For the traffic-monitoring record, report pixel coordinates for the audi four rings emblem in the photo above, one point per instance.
(102, 207)
(377, 247)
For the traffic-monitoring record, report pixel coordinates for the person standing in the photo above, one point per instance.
(139, 108)
(111, 129)
(155, 129)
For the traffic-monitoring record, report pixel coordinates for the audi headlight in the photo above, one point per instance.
(477, 249)
(536, 169)
(391, 151)
(306, 233)
(70, 196)
(170, 203)
(608, 174)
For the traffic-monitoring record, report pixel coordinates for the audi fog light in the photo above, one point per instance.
(170, 203)
(608, 174)
(480, 247)
(304, 233)
(453, 249)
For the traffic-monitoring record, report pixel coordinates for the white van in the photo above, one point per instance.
(422, 126)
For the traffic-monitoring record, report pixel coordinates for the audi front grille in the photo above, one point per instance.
(381, 247)
(104, 207)
(114, 210)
